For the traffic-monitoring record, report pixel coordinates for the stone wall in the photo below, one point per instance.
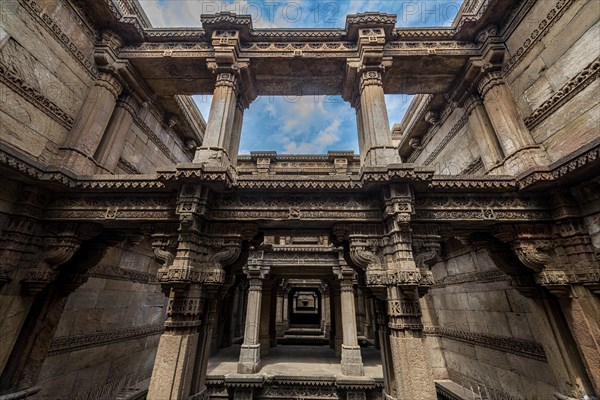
(46, 72)
(551, 66)
(451, 147)
(150, 145)
(481, 331)
(108, 334)
(553, 75)
(44, 77)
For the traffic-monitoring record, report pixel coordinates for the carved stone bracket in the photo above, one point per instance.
(59, 244)
(558, 255)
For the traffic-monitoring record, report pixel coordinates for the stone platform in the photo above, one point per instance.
(291, 372)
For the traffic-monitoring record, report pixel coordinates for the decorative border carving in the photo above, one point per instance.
(519, 347)
(64, 344)
(575, 85)
(114, 272)
(62, 38)
(32, 95)
(538, 34)
(492, 275)
(474, 167)
(128, 167)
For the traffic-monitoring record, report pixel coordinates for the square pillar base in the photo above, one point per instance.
(521, 160)
(249, 359)
(352, 361)
(381, 157)
(213, 156)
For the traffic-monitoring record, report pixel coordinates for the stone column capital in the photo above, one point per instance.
(370, 77)
(471, 102)
(488, 81)
(227, 79)
(110, 83)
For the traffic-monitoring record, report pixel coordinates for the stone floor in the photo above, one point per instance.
(295, 361)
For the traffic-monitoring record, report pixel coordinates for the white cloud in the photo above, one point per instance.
(325, 138)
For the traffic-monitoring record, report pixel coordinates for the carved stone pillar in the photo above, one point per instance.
(516, 141)
(351, 358)
(391, 272)
(280, 312)
(233, 93)
(326, 310)
(77, 152)
(250, 351)
(412, 369)
(384, 348)
(338, 337)
(286, 309)
(236, 134)
(175, 358)
(219, 127)
(265, 319)
(379, 149)
(483, 133)
(110, 147)
(360, 312)
(363, 88)
(193, 279)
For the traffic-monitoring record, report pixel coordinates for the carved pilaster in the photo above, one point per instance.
(516, 141)
(256, 270)
(351, 357)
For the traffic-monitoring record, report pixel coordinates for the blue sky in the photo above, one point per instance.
(308, 124)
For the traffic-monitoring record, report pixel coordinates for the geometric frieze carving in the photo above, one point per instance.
(66, 344)
(575, 85)
(537, 34)
(36, 98)
(113, 207)
(296, 207)
(519, 347)
(396, 277)
(454, 207)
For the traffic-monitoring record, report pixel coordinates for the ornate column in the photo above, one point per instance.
(326, 312)
(219, 127)
(192, 277)
(385, 252)
(351, 358)
(363, 88)
(110, 148)
(360, 313)
(236, 135)
(265, 318)
(337, 312)
(250, 351)
(233, 92)
(280, 312)
(483, 133)
(78, 149)
(369, 317)
(286, 309)
(517, 144)
(385, 350)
